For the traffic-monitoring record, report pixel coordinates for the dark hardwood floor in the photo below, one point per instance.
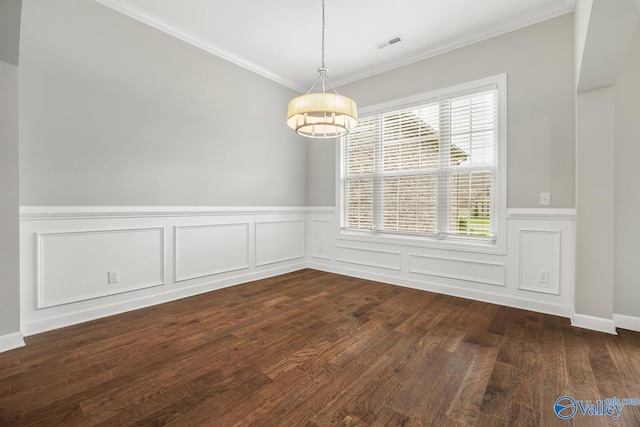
(318, 349)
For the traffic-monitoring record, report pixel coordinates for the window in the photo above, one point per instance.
(430, 167)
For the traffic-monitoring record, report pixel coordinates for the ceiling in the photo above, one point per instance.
(281, 39)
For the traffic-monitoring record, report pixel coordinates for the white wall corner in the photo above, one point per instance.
(599, 324)
(623, 321)
(11, 341)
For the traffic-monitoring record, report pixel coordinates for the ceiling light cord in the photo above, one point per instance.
(323, 25)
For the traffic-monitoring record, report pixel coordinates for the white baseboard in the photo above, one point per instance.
(11, 341)
(492, 298)
(623, 321)
(79, 316)
(599, 324)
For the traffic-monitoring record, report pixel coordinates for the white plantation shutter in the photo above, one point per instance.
(425, 170)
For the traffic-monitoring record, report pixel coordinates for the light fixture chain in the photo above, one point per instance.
(323, 34)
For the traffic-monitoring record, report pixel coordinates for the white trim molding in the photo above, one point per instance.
(631, 323)
(593, 323)
(36, 213)
(11, 341)
(542, 214)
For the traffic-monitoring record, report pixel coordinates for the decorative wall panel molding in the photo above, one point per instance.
(64, 268)
(74, 265)
(508, 277)
(389, 260)
(278, 241)
(206, 250)
(490, 273)
(539, 260)
(321, 238)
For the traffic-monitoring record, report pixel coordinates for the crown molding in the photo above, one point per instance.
(522, 21)
(132, 11)
(158, 23)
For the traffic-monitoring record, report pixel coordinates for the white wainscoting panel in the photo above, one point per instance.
(73, 266)
(278, 241)
(162, 254)
(205, 250)
(490, 273)
(387, 259)
(538, 252)
(64, 268)
(321, 238)
(469, 271)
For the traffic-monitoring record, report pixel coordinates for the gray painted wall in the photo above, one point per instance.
(9, 201)
(10, 30)
(595, 198)
(539, 62)
(113, 112)
(627, 178)
(604, 121)
(9, 185)
(321, 159)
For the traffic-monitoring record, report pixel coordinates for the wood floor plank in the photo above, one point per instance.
(496, 401)
(311, 348)
(554, 371)
(466, 404)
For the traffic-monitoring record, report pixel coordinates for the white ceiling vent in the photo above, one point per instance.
(389, 42)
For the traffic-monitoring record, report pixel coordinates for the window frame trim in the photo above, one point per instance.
(467, 244)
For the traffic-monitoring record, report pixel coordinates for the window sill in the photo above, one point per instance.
(485, 247)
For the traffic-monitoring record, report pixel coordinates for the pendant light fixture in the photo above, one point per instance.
(322, 114)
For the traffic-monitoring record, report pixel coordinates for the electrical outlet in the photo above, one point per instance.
(543, 276)
(545, 199)
(114, 276)
(320, 249)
